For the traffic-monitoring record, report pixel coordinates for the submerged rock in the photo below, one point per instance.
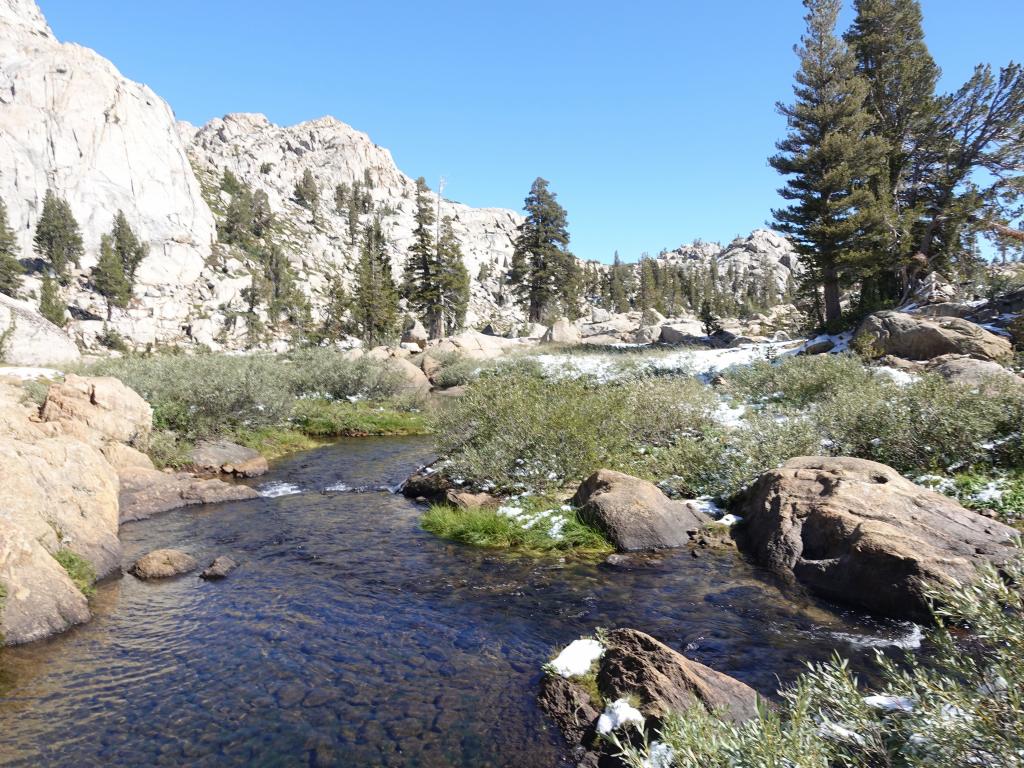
(162, 564)
(633, 513)
(219, 568)
(857, 532)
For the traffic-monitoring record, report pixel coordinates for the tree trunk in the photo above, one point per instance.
(830, 284)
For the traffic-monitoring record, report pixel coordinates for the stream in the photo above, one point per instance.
(350, 637)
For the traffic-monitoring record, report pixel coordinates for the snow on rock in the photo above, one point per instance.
(890, 703)
(577, 657)
(729, 520)
(618, 714)
(896, 375)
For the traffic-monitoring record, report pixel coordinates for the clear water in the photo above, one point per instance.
(350, 637)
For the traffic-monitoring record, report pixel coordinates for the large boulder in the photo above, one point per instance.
(971, 372)
(414, 380)
(652, 316)
(478, 345)
(646, 334)
(223, 456)
(416, 334)
(857, 532)
(99, 409)
(27, 338)
(919, 338)
(682, 332)
(664, 681)
(430, 484)
(563, 331)
(633, 513)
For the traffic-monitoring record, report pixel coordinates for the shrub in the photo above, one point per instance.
(78, 569)
(456, 369)
(963, 705)
(327, 373)
(324, 418)
(797, 381)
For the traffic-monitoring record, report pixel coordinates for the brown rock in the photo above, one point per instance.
(147, 492)
(227, 457)
(467, 500)
(428, 483)
(413, 378)
(219, 568)
(857, 532)
(918, 338)
(570, 707)
(634, 513)
(162, 564)
(103, 405)
(961, 369)
(665, 681)
(562, 331)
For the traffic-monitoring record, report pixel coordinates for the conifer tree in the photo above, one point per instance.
(307, 194)
(543, 270)
(375, 300)
(262, 218)
(617, 286)
(647, 294)
(337, 303)
(127, 246)
(57, 238)
(341, 196)
(420, 279)
(50, 304)
(831, 160)
(109, 276)
(10, 268)
(454, 280)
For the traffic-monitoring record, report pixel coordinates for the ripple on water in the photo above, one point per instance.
(349, 636)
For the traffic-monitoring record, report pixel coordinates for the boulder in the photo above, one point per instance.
(652, 316)
(918, 338)
(681, 333)
(818, 346)
(414, 380)
(428, 483)
(148, 492)
(616, 325)
(121, 456)
(857, 532)
(535, 331)
(223, 456)
(162, 564)
(563, 332)
(31, 339)
(469, 501)
(416, 334)
(478, 345)
(99, 409)
(968, 371)
(599, 315)
(633, 513)
(665, 681)
(944, 309)
(570, 707)
(647, 334)
(602, 340)
(219, 568)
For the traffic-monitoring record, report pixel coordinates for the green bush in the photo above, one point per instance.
(78, 569)
(797, 381)
(325, 418)
(456, 369)
(327, 373)
(961, 705)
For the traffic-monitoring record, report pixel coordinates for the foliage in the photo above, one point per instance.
(109, 278)
(51, 306)
(328, 373)
(57, 238)
(111, 339)
(962, 705)
(456, 368)
(307, 193)
(78, 569)
(375, 301)
(10, 268)
(488, 528)
(796, 381)
(326, 418)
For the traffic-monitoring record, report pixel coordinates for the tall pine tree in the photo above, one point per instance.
(831, 160)
(57, 238)
(109, 277)
(51, 306)
(543, 270)
(453, 280)
(10, 268)
(375, 300)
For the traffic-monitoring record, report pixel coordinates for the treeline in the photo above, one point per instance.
(887, 179)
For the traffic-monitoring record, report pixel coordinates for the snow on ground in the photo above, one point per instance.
(276, 489)
(728, 415)
(890, 703)
(897, 375)
(26, 373)
(618, 714)
(577, 657)
(554, 519)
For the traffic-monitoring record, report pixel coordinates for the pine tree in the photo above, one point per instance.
(10, 268)
(831, 160)
(334, 324)
(454, 280)
(127, 246)
(647, 295)
(888, 41)
(262, 218)
(543, 269)
(307, 194)
(341, 197)
(109, 277)
(50, 304)
(57, 237)
(375, 301)
(617, 285)
(420, 279)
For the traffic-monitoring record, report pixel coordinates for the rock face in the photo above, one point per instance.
(107, 409)
(162, 564)
(857, 532)
(918, 338)
(30, 339)
(218, 456)
(633, 513)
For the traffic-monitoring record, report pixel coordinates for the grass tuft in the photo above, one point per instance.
(78, 569)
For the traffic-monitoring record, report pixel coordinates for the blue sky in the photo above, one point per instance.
(653, 120)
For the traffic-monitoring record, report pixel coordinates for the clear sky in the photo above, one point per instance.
(653, 119)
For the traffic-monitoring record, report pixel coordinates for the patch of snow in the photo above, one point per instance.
(896, 375)
(27, 373)
(836, 732)
(277, 488)
(993, 491)
(729, 416)
(890, 703)
(729, 520)
(618, 714)
(576, 658)
(659, 756)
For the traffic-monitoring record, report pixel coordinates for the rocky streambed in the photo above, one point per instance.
(348, 636)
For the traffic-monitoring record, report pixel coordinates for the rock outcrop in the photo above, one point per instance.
(99, 410)
(147, 492)
(223, 456)
(27, 338)
(633, 513)
(971, 372)
(857, 532)
(919, 338)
